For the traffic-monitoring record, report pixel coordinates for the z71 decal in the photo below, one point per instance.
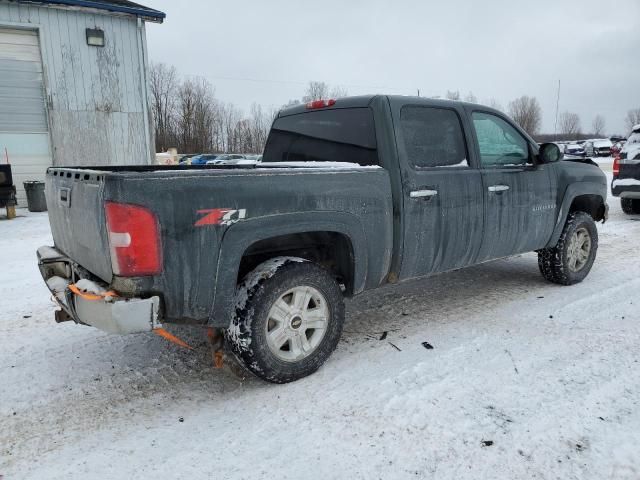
(220, 216)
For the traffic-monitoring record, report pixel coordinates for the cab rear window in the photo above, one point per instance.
(345, 135)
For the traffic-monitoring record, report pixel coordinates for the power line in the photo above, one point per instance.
(288, 82)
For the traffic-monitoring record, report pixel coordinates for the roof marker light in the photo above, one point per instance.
(321, 103)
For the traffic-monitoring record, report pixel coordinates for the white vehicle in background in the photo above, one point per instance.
(226, 159)
(598, 148)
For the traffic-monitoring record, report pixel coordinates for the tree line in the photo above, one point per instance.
(188, 116)
(526, 112)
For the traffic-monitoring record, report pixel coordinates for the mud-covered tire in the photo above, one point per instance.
(554, 263)
(630, 206)
(258, 293)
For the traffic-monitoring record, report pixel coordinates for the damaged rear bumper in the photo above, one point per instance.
(111, 314)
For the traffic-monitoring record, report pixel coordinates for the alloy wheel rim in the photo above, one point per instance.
(296, 323)
(579, 250)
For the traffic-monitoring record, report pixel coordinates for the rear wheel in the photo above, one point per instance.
(630, 206)
(570, 261)
(288, 319)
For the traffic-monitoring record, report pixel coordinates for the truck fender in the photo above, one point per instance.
(241, 235)
(571, 193)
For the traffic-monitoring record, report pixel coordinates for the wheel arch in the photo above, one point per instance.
(580, 197)
(333, 239)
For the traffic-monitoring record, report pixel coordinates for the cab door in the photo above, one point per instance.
(442, 190)
(519, 194)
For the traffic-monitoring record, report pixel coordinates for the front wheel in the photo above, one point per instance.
(570, 261)
(288, 319)
(630, 206)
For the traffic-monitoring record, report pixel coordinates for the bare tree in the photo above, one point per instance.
(493, 103)
(197, 109)
(316, 91)
(338, 92)
(187, 115)
(291, 103)
(471, 98)
(526, 112)
(569, 125)
(453, 95)
(597, 127)
(163, 83)
(632, 119)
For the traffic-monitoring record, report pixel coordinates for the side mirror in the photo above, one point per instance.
(549, 153)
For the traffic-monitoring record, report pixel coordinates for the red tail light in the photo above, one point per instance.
(616, 165)
(134, 240)
(321, 104)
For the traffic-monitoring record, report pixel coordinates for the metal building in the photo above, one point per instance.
(73, 85)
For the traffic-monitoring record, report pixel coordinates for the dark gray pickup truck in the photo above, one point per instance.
(351, 194)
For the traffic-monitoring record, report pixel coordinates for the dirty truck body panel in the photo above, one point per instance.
(200, 256)
(432, 186)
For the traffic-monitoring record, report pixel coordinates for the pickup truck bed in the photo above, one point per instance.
(193, 283)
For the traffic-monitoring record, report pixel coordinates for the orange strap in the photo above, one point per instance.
(91, 296)
(172, 338)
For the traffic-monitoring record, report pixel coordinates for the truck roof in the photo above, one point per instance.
(360, 101)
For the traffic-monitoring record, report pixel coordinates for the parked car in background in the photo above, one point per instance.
(202, 159)
(626, 174)
(574, 149)
(598, 148)
(186, 159)
(225, 158)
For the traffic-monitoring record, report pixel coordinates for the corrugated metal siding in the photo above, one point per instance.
(96, 97)
(21, 90)
(23, 121)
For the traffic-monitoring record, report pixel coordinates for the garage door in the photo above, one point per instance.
(24, 138)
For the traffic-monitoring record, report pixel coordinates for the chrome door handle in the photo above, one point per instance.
(498, 188)
(423, 193)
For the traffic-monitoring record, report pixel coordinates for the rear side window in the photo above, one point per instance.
(344, 135)
(433, 137)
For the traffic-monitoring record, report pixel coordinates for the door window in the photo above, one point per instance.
(433, 137)
(500, 144)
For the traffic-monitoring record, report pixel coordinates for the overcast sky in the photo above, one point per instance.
(267, 51)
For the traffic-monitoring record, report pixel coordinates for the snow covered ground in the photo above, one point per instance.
(525, 380)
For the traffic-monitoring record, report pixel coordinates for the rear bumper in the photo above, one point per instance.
(625, 188)
(111, 314)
